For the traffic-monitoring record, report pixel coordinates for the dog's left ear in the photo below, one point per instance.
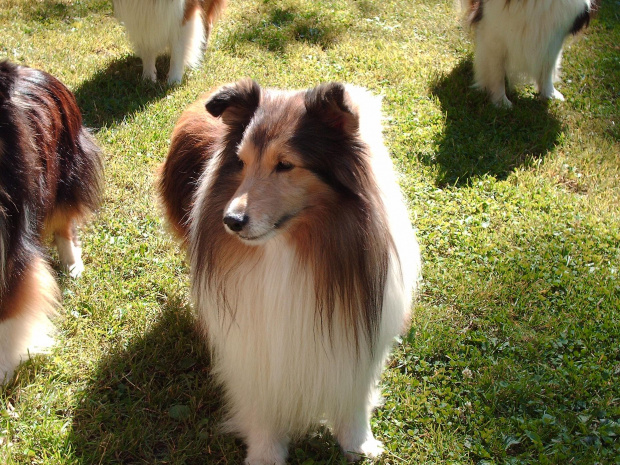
(331, 104)
(235, 103)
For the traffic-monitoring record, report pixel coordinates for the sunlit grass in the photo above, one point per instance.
(514, 351)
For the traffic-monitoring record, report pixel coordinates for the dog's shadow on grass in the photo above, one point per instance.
(154, 401)
(118, 91)
(480, 138)
(277, 27)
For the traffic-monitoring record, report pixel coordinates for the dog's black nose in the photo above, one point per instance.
(236, 221)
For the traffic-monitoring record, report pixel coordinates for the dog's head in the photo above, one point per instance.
(298, 152)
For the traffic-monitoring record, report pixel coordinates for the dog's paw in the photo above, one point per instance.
(371, 449)
(502, 102)
(552, 94)
(70, 255)
(174, 79)
(249, 461)
(266, 450)
(76, 270)
(149, 75)
(267, 459)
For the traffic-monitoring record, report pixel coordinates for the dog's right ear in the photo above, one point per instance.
(235, 103)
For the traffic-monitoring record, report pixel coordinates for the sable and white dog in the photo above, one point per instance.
(522, 39)
(181, 26)
(50, 172)
(303, 259)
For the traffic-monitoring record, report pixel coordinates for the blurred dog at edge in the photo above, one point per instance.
(50, 178)
(302, 256)
(182, 26)
(522, 40)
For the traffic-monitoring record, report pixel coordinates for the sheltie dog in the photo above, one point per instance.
(522, 39)
(49, 180)
(182, 26)
(302, 256)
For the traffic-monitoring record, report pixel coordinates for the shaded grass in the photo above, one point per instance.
(514, 351)
(479, 139)
(116, 92)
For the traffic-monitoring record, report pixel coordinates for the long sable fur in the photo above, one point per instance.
(192, 143)
(210, 10)
(49, 166)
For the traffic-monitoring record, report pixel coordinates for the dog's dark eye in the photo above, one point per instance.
(284, 166)
(240, 163)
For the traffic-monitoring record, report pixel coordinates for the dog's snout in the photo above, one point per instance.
(236, 221)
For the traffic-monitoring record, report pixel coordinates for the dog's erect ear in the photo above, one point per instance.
(333, 106)
(235, 103)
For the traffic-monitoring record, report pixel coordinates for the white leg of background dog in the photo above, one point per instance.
(489, 69)
(149, 71)
(265, 448)
(70, 255)
(187, 49)
(550, 71)
(177, 62)
(353, 430)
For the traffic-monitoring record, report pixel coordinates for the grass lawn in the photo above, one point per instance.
(513, 356)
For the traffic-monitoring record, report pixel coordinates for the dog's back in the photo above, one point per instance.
(50, 137)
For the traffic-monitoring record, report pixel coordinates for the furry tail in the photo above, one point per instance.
(26, 328)
(472, 11)
(213, 9)
(89, 171)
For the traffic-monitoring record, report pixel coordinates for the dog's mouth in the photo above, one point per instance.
(259, 238)
(285, 219)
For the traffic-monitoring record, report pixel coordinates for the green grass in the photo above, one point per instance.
(514, 351)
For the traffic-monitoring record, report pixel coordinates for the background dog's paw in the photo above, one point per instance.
(502, 102)
(263, 461)
(174, 79)
(149, 71)
(553, 94)
(76, 270)
(264, 449)
(370, 449)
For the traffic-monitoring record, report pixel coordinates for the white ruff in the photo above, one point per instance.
(522, 40)
(282, 372)
(154, 26)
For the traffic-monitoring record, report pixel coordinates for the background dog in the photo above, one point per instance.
(182, 26)
(522, 39)
(50, 172)
(303, 259)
